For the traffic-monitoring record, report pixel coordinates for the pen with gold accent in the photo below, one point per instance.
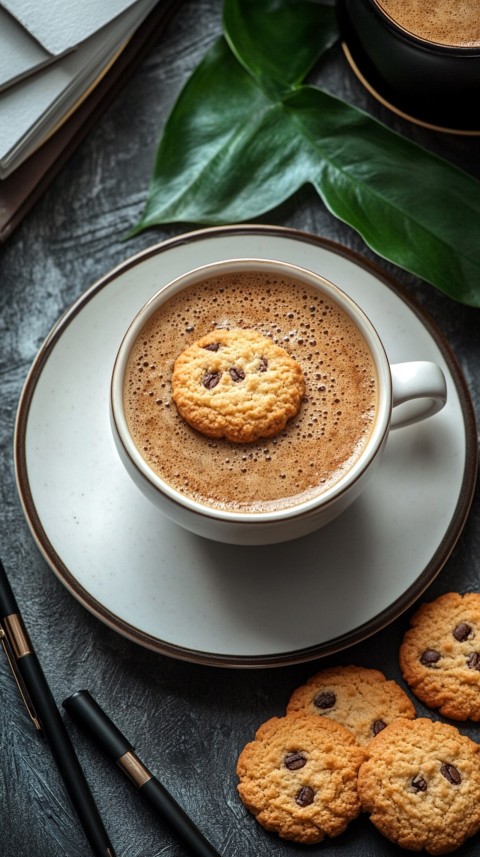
(87, 712)
(45, 715)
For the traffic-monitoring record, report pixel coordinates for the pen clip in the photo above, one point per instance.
(18, 678)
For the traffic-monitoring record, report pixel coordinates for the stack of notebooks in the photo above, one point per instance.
(61, 62)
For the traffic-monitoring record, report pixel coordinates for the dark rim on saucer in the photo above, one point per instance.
(136, 635)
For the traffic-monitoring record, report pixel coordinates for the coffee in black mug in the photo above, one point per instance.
(419, 57)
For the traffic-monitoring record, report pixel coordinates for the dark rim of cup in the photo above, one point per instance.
(428, 45)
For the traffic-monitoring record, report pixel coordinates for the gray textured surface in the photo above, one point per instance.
(188, 721)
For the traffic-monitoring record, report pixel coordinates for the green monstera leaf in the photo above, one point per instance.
(246, 133)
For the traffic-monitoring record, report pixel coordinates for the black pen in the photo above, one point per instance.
(88, 713)
(45, 715)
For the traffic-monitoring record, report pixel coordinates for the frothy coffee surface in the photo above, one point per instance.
(317, 446)
(445, 22)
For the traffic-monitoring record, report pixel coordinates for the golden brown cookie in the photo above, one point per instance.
(299, 777)
(421, 785)
(237, 384)
(440, 655)
(361, 699)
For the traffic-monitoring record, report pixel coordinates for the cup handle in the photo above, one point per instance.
(419, 390)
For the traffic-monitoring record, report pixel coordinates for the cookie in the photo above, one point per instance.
(299, 777)
(421, 785)
(237, 384)
(361, 699)
(440, 655)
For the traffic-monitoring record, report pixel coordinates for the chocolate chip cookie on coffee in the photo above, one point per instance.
(299, 777)
(361, 699)
(440, 655)
(421, 785)
(237, 384)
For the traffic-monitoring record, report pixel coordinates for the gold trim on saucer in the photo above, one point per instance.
(388, 104)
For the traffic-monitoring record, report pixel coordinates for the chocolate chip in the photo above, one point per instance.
(451, 774)
(419, 784)
(210, 380)
(325, 699)
(294, 761)
(236, 374)
(263, 364)
(377, 726)
(305, 796)
(429, 657)
(473, 661)
(462, 631)
(214, 346)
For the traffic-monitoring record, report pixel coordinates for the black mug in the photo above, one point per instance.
(434, 83)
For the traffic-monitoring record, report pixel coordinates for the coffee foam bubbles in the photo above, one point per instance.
(444, 22)
(317, 446)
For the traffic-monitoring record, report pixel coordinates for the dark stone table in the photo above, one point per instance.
(188, 720)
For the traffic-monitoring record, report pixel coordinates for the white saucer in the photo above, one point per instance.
(181, 595)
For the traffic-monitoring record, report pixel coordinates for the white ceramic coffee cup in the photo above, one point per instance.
(407, 393)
